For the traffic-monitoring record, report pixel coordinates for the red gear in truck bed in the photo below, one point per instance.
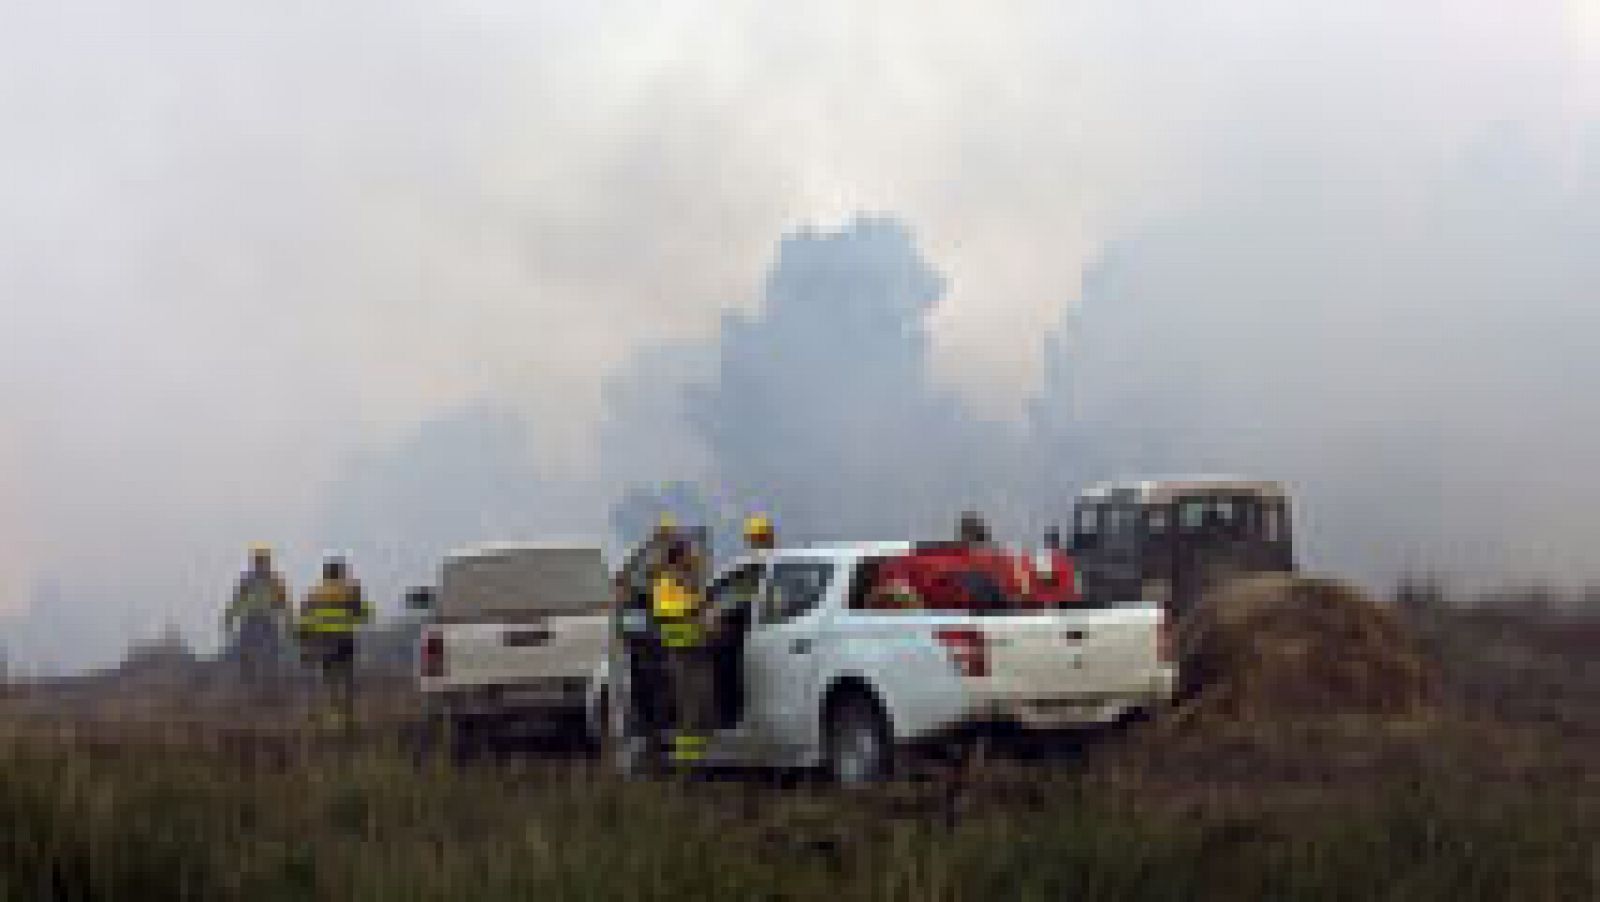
(961, 578)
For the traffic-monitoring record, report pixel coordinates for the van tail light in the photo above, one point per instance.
(1165, 652)
(968, 649)
(431, 655)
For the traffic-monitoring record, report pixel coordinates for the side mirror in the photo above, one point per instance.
(1081, 541)
(419, 598)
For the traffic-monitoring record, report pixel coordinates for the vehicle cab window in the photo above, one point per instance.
(735, 587)
(1271, 520)
(1086, 528)
(793, 589)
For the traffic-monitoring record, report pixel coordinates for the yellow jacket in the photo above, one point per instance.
(677, 609)
(258, 592)
(672, 600)
(334, 606)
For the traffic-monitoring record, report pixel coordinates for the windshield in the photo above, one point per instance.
(1230, 517)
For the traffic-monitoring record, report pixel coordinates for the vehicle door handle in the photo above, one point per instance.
(524, 638)
(800, 647)
(1074, 635)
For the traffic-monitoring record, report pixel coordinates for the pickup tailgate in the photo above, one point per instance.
(541, 651)
(526, 616)
(1063, 655)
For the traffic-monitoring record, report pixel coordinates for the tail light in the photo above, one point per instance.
(968, 649)
(1165, 652)
(431, 655)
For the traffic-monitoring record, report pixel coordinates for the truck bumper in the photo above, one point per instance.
(1050, 714)
(1073, 712)
(550, 705)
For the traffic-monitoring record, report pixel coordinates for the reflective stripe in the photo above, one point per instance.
(688, 747)
(330, 615)
(333, 608)
(681, 634)
(312, 626)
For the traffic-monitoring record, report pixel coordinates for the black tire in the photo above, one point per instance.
(858, 746)
(600, 740)
(465, 739)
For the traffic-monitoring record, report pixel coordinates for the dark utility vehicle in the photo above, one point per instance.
(1170, 540)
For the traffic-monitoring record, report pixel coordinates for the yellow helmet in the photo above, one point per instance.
(666, 522)
(757, 526)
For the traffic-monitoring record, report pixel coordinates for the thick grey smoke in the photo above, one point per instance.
(244, 244)
(1419, 386)
(1418, 374)
(823, 410)
(464, 477)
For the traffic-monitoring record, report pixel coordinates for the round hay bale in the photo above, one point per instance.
(1277, 646)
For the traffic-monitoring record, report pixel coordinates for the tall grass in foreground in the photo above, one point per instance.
(134, 823)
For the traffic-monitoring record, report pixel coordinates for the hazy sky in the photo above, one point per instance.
(250, 252)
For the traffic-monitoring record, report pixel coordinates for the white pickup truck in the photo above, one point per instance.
(823, 676)
(512, 639)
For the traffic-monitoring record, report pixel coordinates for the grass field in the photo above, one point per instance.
(1494, 797)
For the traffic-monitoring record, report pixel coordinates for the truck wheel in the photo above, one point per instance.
(465, 738)
(428, 733)
(858, 745)
(601, 739)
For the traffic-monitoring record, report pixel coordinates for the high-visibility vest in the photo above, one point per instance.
(257, 594)
(677, 610)
(333, 607)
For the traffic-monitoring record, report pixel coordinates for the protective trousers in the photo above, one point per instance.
(691, 672)
(334, 657)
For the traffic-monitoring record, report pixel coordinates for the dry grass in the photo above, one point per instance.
(1485, 798)
(1274, 646)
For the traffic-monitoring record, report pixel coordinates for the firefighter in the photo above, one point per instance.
(730, 619)
(256, 618)
(649, 689)
(972, 529)
(331, 614)
(758, 532)
(677, 604)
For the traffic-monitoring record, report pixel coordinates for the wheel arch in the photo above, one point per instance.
(846, 685)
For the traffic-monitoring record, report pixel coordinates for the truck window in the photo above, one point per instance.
(1086, 527)
(794, 588)
(1271, 520)
(727, 590)
(1192, 514)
